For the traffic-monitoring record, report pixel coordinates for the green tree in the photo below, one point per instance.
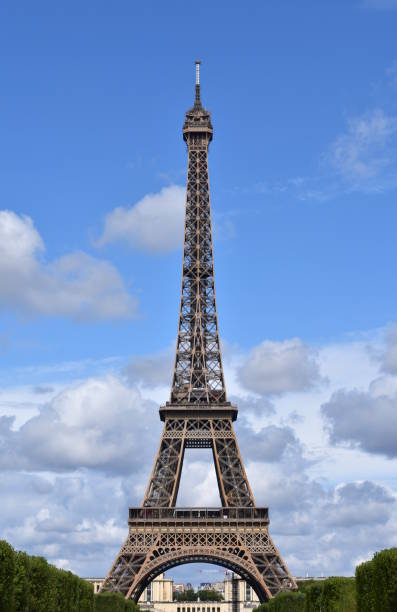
(86, 596)
(22, 582)
(365, 581)
(62, 604)
(131, 606)
(385, 584)
(288, 602)
(313, 597)
(7, 573)
(188, 595)
(339, 594)
(110, 602)
(209, 595)
(73, 589)
(43, 585)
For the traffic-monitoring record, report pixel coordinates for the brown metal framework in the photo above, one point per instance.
(161, 538)
(198, 416)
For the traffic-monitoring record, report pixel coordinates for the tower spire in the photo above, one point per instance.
(198, 373)
(197, 101)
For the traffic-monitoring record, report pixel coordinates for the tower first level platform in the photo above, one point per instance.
(162, 538)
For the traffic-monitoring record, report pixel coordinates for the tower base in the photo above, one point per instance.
(161, 538)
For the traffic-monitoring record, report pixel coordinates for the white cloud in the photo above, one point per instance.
(366, 152)
(253, 406)
(361, 158)
(270, 444)
(154, 224)
(366, 417)
(360, 419)
(321, 528)
(153, 370)
(98, 424)
(81, 518)
(19, 239)
(278, 367)
(389, 357)
(328, 506)
(198, 486)
(359, 503)
(75, 285)
(313, 524)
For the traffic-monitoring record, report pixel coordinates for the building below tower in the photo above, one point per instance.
(236, 594)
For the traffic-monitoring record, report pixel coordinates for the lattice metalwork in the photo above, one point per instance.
(236, 538)
(198, 415)
(198, 374)
(216, 432)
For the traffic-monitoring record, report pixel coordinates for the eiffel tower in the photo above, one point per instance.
(198, 415)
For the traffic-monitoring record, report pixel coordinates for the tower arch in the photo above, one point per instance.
(170, 561)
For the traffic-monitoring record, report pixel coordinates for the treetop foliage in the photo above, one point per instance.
(202, 595)
(331, 595)
(377, 583)
(30, 584)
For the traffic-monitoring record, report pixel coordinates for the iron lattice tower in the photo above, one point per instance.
(198, 415)
(198, 374)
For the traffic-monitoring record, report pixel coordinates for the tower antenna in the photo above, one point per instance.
(197, 101)
(197, 62)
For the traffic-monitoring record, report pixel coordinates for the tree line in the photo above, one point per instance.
(330, 595)
(376, 582)
(30, 584)
(374, 589)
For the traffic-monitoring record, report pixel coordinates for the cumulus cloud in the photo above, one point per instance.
(270, 444)
(257, 406)
(309, 523)
(384, 385)
(359, 419)
(152, 370)
(198, 485)
(75, 285)
(99, 424)
(278, 367)
(319, 528)
(269, 449)
(314, 525)
(42, 390)
(79, 519)
(359, 503)
(75, 509)
(365, 151)
(389, 355)
(154, 224)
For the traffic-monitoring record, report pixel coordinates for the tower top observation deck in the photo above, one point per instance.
(197, 119)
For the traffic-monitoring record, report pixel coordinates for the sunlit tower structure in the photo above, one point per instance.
(198, 415)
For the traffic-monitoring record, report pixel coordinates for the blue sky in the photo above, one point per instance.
(303, 187)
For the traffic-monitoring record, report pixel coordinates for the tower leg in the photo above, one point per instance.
(163, 486)
(232, 479)
(217, 434)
